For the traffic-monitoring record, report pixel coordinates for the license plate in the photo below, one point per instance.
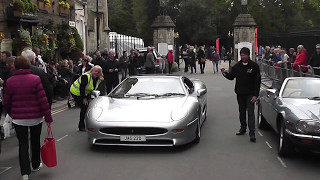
(133, 138)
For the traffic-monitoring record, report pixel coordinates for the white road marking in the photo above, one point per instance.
(4, 169)
(59, 110)
(268, 145)
(260, 133)
(62, 138)
(282, 163)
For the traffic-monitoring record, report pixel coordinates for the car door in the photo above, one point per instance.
(268, 106)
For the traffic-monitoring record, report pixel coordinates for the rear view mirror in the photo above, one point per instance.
(201, 92)
(95, 94)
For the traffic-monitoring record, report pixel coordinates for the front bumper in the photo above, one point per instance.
(305, 141)
(170, 138)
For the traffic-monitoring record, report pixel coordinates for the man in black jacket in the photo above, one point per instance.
(112, 76)
(247, 88)
(99, 60)
(315, 60)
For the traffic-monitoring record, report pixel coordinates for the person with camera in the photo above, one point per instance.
(247, 88)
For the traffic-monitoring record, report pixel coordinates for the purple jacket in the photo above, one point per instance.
(25, 98)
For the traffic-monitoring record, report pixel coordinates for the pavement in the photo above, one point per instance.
(221, 155)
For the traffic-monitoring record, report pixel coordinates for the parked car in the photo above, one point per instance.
(149, 111)
(292, 109)
(160, 61)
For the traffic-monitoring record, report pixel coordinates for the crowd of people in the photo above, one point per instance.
(297, 60)
(192, 55)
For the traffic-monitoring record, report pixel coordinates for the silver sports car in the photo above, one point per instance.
(149, 111)
(293, 111)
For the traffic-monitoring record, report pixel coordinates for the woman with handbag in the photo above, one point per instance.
(201, 59)
(82, 88)
(25, 88)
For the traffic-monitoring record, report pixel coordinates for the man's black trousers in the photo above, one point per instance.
(246, 106)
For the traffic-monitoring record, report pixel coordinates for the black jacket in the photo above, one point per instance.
(248, 78)
(65, 73)
(45, 82)
(88, 68)
(315, 62)
(102, 63)
(112, 65)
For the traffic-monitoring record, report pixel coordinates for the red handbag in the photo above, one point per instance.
(48, 150)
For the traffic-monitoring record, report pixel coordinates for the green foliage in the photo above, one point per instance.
(26, 6)
(22, 41)
(78, 40)
(202, 21)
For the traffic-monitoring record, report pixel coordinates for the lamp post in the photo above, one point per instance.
(98, 26)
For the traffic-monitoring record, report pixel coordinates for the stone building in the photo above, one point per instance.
(102, 42)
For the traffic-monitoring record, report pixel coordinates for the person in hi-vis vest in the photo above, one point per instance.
(82, 88)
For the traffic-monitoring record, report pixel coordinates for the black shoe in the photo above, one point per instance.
(82, 129)
(241, 132)
(252, 137)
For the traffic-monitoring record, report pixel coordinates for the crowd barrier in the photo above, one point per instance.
(276, 71)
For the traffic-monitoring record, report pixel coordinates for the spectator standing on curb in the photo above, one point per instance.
(247, 88)
(292, 55)
(27, 118)
(170, 60)
(201, 59)
(112, 75)
(301, 59)
(123, 62)
(84, 66)
(31, 56)
(315, 60)
(150, 62)
(215, 61)
(132, 61)
(100, 61)
(39, 62)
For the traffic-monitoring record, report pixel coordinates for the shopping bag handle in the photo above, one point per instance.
(49, 132)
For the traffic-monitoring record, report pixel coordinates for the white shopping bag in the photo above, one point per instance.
(8, 127)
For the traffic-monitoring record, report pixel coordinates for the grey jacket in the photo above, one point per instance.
(150, 60)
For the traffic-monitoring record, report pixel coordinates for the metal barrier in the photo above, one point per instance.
(280, 71)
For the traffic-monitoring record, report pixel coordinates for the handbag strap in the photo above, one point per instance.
(49, 132)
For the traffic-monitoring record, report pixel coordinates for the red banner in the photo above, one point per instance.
(256, 40)
(217, 45)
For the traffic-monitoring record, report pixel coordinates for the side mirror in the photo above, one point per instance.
(95, 94)
(201, 92)
(273, 92)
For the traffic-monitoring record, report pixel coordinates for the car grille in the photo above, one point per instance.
(147, 142)
(134, 131)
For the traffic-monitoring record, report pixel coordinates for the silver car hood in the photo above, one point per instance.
(311, 108)
(143, 110)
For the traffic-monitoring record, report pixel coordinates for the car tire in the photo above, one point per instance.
(261, 121)
(198, 132)
(286, 147)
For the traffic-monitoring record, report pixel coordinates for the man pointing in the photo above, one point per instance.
(247, 88)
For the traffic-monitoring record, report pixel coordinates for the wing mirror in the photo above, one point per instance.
(95, 94)
(201, 92)
(273, 92)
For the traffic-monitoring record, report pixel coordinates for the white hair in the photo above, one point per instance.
(30, 55)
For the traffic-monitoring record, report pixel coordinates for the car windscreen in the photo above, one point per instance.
(302, 88)
(146, 85)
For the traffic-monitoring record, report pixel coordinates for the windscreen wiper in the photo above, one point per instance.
(314, 98)
(172, 94)
(141, 95)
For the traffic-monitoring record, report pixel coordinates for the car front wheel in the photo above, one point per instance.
(261, 121)
(286, 147)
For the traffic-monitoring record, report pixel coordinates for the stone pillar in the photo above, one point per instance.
(244, 35)
(163, 31)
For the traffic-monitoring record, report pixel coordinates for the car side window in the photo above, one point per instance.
(189, 85)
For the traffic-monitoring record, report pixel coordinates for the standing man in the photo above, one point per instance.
(100, 61)
(39, 62)
(123, 61)
(132, 60)
(315, 60)
(112, 76)
(150, 64)
(140, 61)
(247, 88)
(170, 60)
(201, 59)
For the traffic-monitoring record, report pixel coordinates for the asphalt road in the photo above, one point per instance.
(221, 155)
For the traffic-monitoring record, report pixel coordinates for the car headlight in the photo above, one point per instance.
(308, 126)
(94, 113)
(179, 113)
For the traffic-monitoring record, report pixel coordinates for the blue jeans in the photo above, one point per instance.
(215, 66)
